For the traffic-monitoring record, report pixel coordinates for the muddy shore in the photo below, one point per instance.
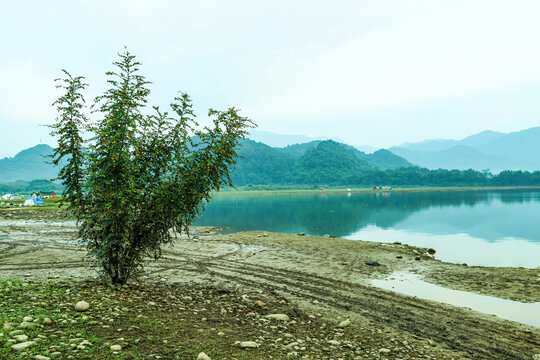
(320, 275)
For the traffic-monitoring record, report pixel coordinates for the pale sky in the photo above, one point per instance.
(374, 73)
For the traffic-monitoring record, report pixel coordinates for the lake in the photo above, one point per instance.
(489, 228)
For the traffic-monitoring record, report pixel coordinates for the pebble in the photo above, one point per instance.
(536, 357)
(203, 356)
(259, 303)
(16, 332)
(385, 350)
(417, 258)
(431, 251)
(20, 338)
(28, 318)
(26, 324)
(344, 323)
(56, 354)
(249, 344)
(41, 357)
(82, 306)
(22, 346)
(116, 347)
(47, 321)
(281, 317)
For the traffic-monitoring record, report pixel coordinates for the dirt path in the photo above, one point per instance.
(322, 275)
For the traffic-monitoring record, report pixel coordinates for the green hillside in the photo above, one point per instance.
(29, 164)
(328, 163)
(317, 163)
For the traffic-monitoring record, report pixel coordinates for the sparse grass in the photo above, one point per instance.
(150, 322)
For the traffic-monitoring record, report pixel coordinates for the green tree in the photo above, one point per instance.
(148, 174)
(67, 128)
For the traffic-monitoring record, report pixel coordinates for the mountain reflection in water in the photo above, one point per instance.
(465, 217)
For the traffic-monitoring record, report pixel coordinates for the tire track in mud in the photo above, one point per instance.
(478, 337)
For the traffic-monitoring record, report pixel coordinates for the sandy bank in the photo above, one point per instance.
(320, 274)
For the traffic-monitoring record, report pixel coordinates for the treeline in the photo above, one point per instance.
(412, 176)
(29, 186)
(333, 164)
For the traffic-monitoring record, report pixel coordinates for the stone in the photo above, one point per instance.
(248, 344)
(344, 323)
(116, 347)
(384, 351)
(26, 324)
(56, 354)
(259, 303)
(20, 338)
(41, 357)
(28, 318)
(7, 326)
(82, 306)
(399, 257)
(536, 357)
(23, 345)
(281, 317)
(372, 263)
(16, 332)
(333, 342)
(203, 356)
(302, 234)
(417, 258)
(47, 321)
(431, 251)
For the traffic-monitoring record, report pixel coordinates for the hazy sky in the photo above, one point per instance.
(369, 72)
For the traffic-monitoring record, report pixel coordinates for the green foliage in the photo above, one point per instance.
(145, 174)
(67, 129)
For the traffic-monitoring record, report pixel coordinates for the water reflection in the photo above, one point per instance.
(413, 285)
(486, 216)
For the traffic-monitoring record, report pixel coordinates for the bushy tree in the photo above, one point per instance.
(147, 175)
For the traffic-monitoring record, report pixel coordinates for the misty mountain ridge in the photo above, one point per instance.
(519, 150)
(258, 163)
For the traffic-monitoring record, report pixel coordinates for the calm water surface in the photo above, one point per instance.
(496, 228)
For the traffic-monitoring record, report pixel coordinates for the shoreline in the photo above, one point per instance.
(323, 277)
(367, 190)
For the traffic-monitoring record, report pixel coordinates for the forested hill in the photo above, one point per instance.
(29, 164)
(316, 162)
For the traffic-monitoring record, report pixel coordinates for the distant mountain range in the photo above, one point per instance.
(331, 162)
(491, 150)
(327, 161)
